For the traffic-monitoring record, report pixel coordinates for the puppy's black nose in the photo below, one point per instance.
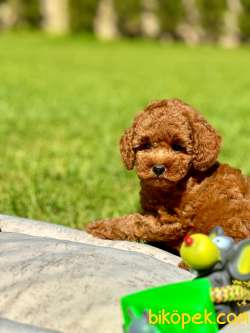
(158, 169)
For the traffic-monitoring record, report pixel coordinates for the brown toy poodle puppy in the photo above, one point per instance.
(183, 188)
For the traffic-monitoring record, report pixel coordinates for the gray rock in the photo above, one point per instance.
(73, 287)
(44, 229)
(9, 326)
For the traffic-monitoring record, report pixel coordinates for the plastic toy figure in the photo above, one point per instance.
(225, 263)
(139, 323)
(222, 286)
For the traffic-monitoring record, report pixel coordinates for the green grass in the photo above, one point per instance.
(65, 102)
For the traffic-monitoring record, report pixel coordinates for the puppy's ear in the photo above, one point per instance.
(126, 149)
(206, 141)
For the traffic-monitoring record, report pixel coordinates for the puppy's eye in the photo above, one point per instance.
(178, 147)
(143, 146)
(146, 145)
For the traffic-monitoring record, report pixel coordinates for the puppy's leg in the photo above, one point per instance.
(135, 227)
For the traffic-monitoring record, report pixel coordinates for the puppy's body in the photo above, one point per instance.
(203, 200)
(183, 187)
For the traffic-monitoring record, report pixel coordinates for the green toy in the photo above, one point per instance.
(186, 306)
(221, 288)
(225, 263)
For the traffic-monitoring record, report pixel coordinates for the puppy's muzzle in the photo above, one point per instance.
(158, 169)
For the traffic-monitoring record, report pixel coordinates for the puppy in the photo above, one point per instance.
(183, 188)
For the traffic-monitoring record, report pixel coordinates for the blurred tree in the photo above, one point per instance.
(190, 29)
(27, 12)
(170, 15)
(7, 15)
(82, 14)
(129, 16)
(149, 19)
(231, 35)
(212, 17)
(105, 23)
(245, 20)
(55, 16)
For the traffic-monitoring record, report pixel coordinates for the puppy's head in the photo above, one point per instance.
(166, 140)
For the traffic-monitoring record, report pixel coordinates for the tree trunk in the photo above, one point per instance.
(190, 28)
(105, 23)
(150, 25)
(55, 16)
(231, 36)
(8, 15)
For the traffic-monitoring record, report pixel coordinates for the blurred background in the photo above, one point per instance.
(73, 74)
(192, 21)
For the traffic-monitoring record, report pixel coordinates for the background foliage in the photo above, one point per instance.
(170, 14)
(28, 13)
(212, 16)
(82, 14)
(128, 14)
(245, 20)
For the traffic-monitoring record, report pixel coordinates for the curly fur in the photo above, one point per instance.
(194, 193)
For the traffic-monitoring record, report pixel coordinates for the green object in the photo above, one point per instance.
(187, 307)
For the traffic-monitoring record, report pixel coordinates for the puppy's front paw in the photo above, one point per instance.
(98, 229)
(165, 217)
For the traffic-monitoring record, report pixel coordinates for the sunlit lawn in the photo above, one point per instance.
(65, 102)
